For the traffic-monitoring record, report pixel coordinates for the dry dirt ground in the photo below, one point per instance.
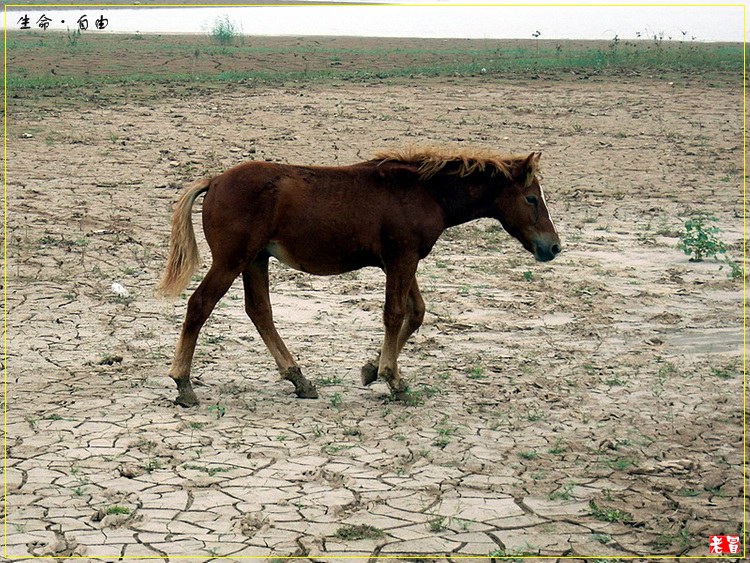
(589, 406)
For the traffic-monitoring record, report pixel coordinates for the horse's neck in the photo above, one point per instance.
(462, 200)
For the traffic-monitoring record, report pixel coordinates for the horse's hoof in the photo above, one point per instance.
(369, 373)
(185, 395)
(399, 388)
(302, 387)
(306, 391)
(186, 402)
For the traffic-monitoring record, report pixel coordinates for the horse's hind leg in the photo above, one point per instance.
(201, 303)
(412, 321)
(258, 308)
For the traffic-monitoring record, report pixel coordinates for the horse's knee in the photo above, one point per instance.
(259, 313)
(393, 316)
(250, 310)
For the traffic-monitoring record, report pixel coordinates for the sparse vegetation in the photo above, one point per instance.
(211, 470)
(218, 409)
(609, 514)
(336, 400)
(563, 493)
(328, 381)
(501, 60)
(515, 556)
(701, 239)
(436, 524)
(117, 509)
(224, 31)
(359, 532)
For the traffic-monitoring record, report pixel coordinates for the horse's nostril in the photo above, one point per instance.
(556, 249)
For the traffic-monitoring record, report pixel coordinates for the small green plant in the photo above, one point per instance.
(224, 31)
(615, 381)
(700, 239)
(152, 465)
(328, 381)
(516, 555)
(332, 449)
(534, 415)
(359, 532)
(736, 271)
(609, 514)
(219, 409)
(441, 442)
(210, 470)
(116, 509)
(74, 37)
(528, 275)
(563, 493)
(436, 524)
(477, 373)
(620, 464)
(725, 372)
(336, 400)
(688, 492)
(558, 447)
(416, 396)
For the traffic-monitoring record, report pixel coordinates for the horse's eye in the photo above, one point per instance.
(532, 200)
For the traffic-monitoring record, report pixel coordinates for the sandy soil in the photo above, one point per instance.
(589, 406)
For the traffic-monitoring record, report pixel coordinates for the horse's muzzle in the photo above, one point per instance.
(546, 251)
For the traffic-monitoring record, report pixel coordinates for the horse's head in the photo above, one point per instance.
(522, 210)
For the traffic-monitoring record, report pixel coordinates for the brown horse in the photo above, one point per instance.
(387, 212)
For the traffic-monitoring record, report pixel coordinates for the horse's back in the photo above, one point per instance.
(323, 220)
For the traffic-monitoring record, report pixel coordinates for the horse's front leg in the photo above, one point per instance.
(399, 278)
(415, 309)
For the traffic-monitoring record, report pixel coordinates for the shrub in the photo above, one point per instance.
(225, 31)
(700, 240)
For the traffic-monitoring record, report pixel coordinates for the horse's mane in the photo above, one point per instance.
(458, 161)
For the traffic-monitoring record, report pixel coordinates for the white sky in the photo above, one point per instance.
(704, 23)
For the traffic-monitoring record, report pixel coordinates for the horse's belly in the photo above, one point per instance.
(315, 260)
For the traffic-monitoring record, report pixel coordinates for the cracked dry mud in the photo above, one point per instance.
(589, 406)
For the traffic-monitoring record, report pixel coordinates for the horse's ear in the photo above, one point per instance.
(529, 167)
(398, 171)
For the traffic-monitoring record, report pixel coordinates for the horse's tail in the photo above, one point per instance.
(183, 259)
